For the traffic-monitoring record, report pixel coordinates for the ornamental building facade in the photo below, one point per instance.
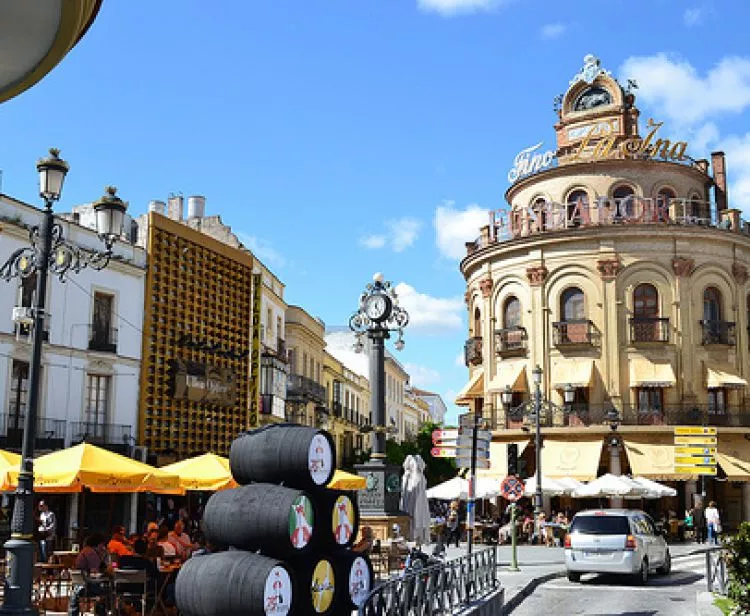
(619, 268)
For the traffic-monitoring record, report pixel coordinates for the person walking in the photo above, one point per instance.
(713, 523)
(699, 523)
(454, 532)
(47, 531)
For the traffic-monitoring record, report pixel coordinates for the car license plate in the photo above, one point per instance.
(599, 554)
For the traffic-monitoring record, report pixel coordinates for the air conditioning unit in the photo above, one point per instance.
(23, 315)
(140, 453)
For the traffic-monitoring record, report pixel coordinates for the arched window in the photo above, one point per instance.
(624, 198)
(571, 305)
(645, 301)
(712, 304)
(577, 208)
(573, 329)
(512, 313)
(477, 322)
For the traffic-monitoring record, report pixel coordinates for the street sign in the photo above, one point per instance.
(466, 441)
(694, 431)
(443, 452)
(692, 460)
(465, 462)
(444, 435)
(467, 420)
(466, 451)
(695, 450)
(512, 488)
(695, 440)
(482, 435)
(695, 470)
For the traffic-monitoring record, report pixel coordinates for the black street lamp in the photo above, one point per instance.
(615, 468)
(48, 251)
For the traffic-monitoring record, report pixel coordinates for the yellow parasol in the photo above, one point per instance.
(342, 480)
(99, 470)
(8, 461)
(205, 472)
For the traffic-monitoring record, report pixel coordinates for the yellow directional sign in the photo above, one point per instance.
(695, 470)
(693, 430)
(695, 450)
(691, 460)
(695, 440)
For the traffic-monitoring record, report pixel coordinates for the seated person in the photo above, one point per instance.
(164, 543)
(90, 560)
(118, 546)
(153, 549)
(138, 561)
(364, 545)
(180, 540)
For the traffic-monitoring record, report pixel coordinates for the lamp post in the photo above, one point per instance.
(48, 252)
(613, 417)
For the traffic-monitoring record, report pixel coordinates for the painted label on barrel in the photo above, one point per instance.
(359, 581)
(322, 586)
(300, 522)
(319, 459)
(343, 514)
(277, 595)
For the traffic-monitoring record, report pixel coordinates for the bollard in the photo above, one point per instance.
(513, 539)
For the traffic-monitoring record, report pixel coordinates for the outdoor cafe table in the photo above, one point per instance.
(167, 576)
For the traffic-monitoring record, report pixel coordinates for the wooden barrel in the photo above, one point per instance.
(299, 456)
(337, 516)
(355, 578)
(234, 583)
(316, 590)
(277, 521)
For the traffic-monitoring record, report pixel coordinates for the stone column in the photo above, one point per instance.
(686, 370)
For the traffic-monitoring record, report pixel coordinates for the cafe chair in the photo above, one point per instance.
(131, 586)
(86, 602)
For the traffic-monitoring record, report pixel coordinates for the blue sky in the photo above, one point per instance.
(344, 137)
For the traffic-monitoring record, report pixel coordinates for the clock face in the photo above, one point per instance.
(376, 307)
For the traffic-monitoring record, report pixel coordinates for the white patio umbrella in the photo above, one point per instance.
(456, 488)
(657, 488)
(415, 485)
(569, 484)
(551, 487)
(610, 485)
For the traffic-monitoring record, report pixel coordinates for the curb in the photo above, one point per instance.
(513, 602)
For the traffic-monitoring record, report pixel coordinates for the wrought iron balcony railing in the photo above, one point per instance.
(473, 351)
(100, 433)
(645, 329)
(50, 433)
(337, 409)
(103, 339)
(719, 332)
(574, 332)
(303, 389)
(511, 341)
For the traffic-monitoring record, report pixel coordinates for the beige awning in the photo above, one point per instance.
(473, 389)
(510, 374)
(645, 373)
(717, 378)
(578, 459)
(576, 372)
(733, 456)
(653, 458)
(499, 459)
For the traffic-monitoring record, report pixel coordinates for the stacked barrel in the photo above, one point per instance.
(288, 538)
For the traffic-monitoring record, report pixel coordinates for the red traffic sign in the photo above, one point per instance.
(443, 452)
(443, 435)
(512, 488)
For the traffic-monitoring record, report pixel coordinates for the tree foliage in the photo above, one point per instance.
(738, 564)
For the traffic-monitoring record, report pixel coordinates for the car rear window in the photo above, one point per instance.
(601, 525)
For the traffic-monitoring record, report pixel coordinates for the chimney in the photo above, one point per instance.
(718, 162)
(174, 207)
(196, 207)
(156, 206)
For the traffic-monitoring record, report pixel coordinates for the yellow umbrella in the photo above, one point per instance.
(99, 470)
(342, 480)
(8, 461)
(205, 472)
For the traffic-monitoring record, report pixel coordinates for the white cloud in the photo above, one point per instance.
(430, 314)
(552, 31)
(263, 249)
(453, 228)
(459, 361)
(674, 86)
(401, 234)
(340, 344)
(422, 376)
(693, 17)
(454, 7)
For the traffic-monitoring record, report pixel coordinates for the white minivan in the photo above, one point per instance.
(615, 541)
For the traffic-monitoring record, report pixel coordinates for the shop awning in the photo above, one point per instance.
(733, 456)
(720, 378)
(510, 374)
(473, 389)
(578, 459)
(499, 459)
(645, 373)
(576, 372)
(653, 458)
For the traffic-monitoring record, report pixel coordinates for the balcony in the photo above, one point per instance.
(511, 342)
(25, 330)
(473, 351)
(687, 415)
(574, 333)
(718, 332)
(50, 433)
(645, 330)
(336, 409)
(116, 437)
(103, 339)
(302, 389)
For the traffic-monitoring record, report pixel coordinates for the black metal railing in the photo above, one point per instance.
(473, 351)
(103, 339)
(719, 332)
(575, 332)
(303, 389)
(511, 341)
(100, 433)
(50, 433)
(336, 409)
(440, 589)
(646, 329)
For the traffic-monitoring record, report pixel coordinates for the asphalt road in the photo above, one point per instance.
(599, 595)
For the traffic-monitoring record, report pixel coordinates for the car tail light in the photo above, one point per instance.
(630, 543)
(567, 541)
